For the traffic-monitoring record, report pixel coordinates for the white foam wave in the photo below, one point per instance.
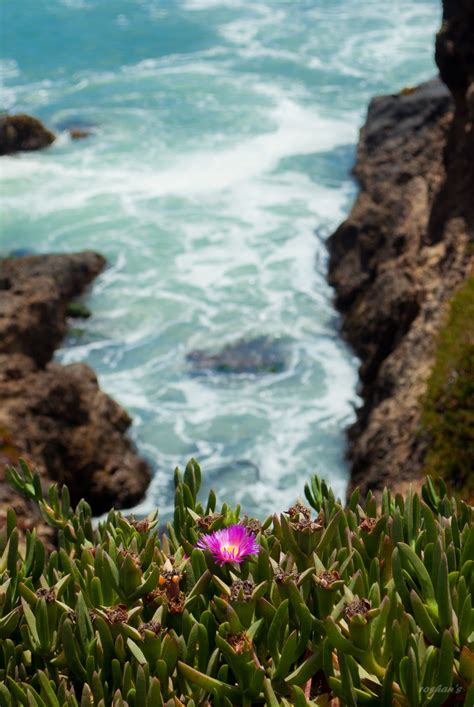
(299, 130)
(8, 69)
(77, 4)
(196, 5)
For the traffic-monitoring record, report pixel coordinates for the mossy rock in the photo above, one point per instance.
(77, 310)
(448, 406)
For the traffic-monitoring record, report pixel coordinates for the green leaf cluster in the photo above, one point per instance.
(362, 604)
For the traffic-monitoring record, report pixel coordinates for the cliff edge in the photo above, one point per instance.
(406, 246)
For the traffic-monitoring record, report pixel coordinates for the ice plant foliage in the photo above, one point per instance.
(231, 544)
(365, 604)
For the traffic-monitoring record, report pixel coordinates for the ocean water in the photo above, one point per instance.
(223, 136)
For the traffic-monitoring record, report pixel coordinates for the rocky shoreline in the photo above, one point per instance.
(405, 247)
(55, 416)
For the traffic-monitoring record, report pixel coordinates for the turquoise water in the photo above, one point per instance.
(224, 133)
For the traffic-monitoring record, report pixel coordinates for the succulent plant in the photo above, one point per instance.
(330, 605)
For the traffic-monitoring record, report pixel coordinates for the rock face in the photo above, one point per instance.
(405, 247)
(56, 416)
(455, 59)
(22, 133)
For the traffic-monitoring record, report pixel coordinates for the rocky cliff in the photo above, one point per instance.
(56, 416)
(404, 249)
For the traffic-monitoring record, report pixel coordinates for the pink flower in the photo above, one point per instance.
(232, 544)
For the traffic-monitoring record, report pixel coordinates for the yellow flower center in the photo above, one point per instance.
(231, 549)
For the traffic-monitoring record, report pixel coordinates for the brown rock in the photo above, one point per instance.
(27, 514)
(34, 293)
(395, 263)
(23, 133)
(80, 133)
(455, 59)
(56, 416)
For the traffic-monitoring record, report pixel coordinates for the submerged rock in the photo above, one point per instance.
(56, 416)
(78, 128)
(260, 355)
(79, 133)
(23, 133)
(20, 252)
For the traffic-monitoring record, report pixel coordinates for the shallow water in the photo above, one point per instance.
(224, 133)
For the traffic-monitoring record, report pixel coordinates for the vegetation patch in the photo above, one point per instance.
(319, 605)
(77, 310)
(448, 407)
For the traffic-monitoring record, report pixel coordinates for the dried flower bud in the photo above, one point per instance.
(356, 607)
(205, 522)
(117, 614)
(240, 642)
(253, 524)
(47, 594)
(245, 586)
(368, 524)
(327, 578)
(299, 509)
(176, 603)
(281, 576)
(141, 526)
(152, 626)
